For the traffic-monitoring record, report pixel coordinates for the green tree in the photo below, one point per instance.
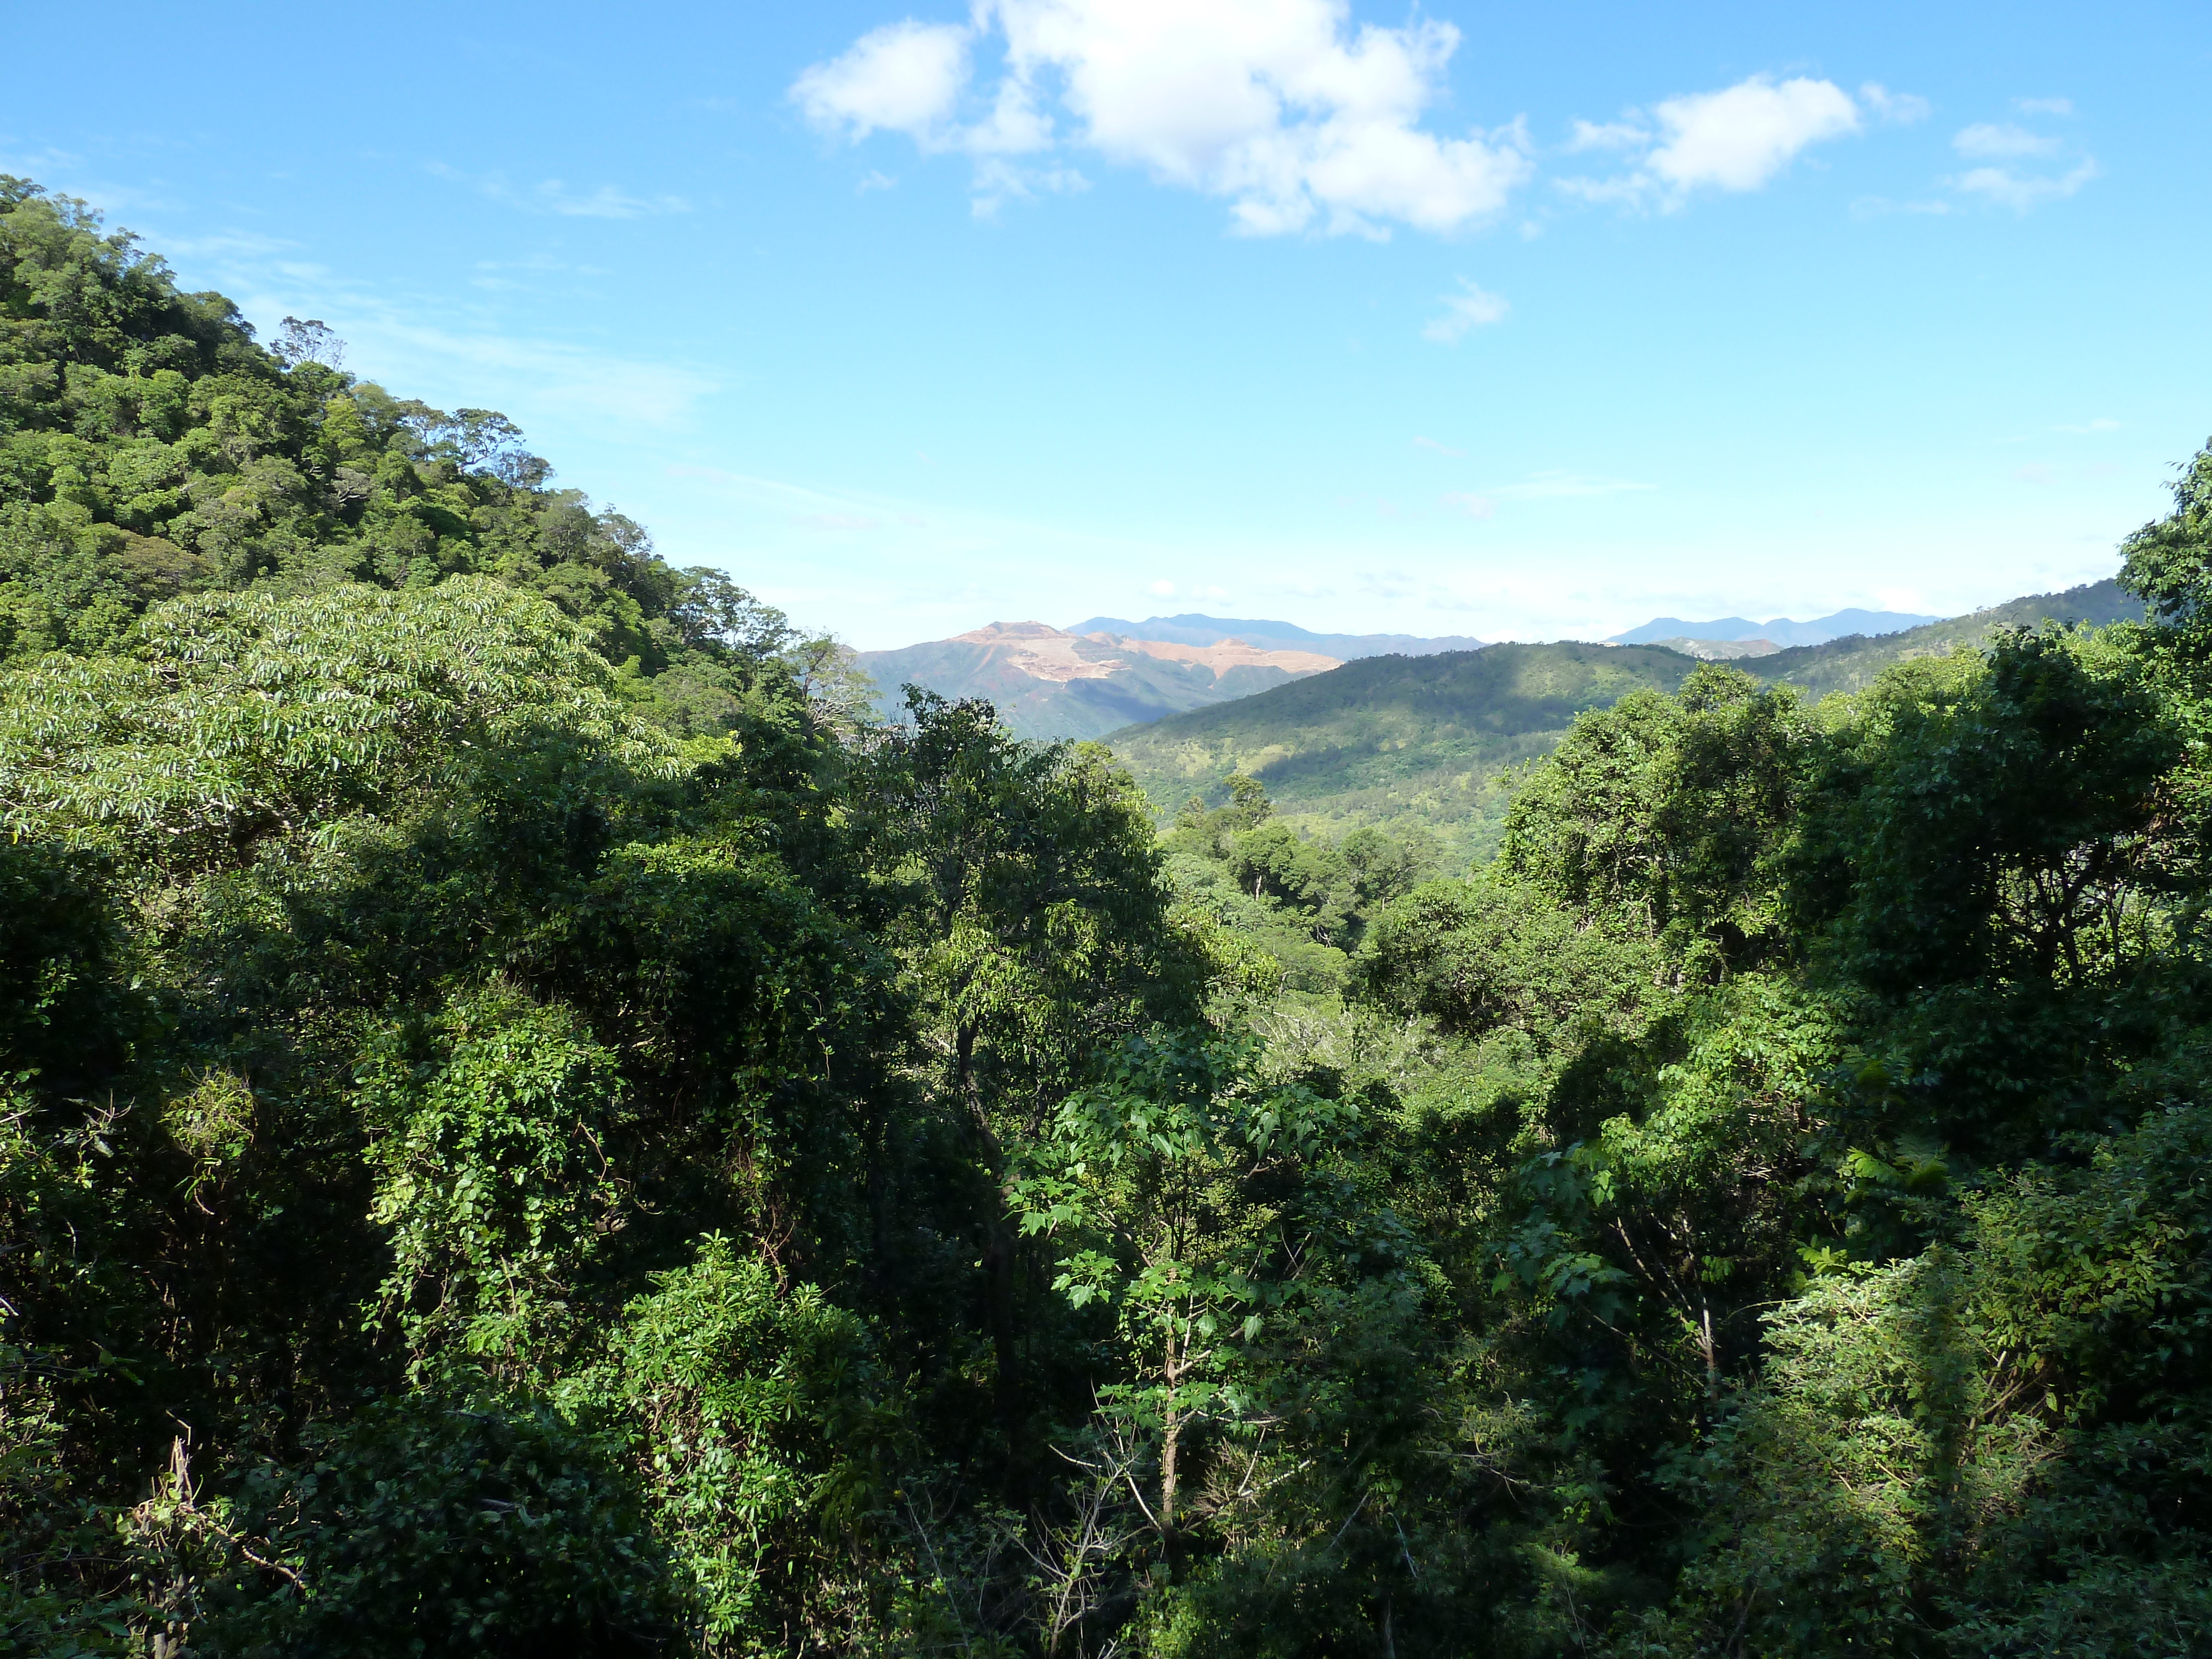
(1146, 1179)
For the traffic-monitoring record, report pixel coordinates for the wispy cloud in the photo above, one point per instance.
(1441, 449)
(2021, 191)
(437, 349)
(998, 181)
(1901, 108)
(2008, 151)
(1471, 308)
(554, 196)
(1607, 135)
(226, 244)
(1877, 207)
(1559, 485)
(1475, 507)
(2001, 141)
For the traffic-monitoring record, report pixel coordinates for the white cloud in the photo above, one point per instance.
(904, 77)
(2043, 106)
(1282, 107)
(1736, 139)
(1902, 107)
(1441, 449)
(1739, 138)
(2020, 192)
(1475, 507)
(1998, 141)
(1164, 589)
(1471, 308)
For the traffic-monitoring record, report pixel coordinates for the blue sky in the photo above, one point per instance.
(1520, 324)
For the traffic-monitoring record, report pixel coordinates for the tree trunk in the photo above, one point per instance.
(1000, 1249)
(1170, 1450)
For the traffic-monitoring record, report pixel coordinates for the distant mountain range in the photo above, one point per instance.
(1782, 632)
(1106, 673)
(1191, 629)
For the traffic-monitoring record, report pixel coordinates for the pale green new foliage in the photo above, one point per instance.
(246, 716)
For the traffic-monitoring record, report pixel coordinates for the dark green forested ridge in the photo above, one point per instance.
(150, 448)
(528, 1127)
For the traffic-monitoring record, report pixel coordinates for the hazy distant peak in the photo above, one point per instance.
(1193, 628)
(1781, 631)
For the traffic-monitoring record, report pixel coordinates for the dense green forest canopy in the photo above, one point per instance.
(526, 1126)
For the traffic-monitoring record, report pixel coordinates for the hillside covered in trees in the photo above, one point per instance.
(1434, 746)
(528, 1125)
(1410, 742)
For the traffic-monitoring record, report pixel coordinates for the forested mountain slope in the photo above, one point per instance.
(1425, 741)
(509, 1149)
(150, 447)
(1852, 663)
(1394, 739)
